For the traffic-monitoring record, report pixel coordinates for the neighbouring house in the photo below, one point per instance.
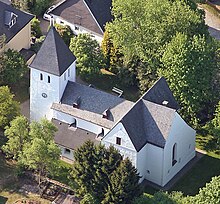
(15, 26)
(150, 132)
(83, 16)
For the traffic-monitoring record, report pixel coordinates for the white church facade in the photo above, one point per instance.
(150, 132)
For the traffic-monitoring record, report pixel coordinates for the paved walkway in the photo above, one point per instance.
(44, 25)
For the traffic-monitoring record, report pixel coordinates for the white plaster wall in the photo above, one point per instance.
(150, 163)
(72, 68)
(184, 137)
(63, 81)
(85, 125)
(63, 154)
(91, 127)
(81, 29)
(126, 148)
(63, 117)
(40, 106)
(21, 40)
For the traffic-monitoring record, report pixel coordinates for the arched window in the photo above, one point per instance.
(174, 154)
(41, 76)
(48, 79)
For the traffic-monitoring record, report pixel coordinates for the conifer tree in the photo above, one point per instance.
(124, 185)
(107, 160)
(83, 168)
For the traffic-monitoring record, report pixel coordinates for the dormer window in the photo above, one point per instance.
(48, 79)
(64, 76)
(68, 72)
(41, 76)
(10, 18)
(77, 102)
(106, 113)
(118, 140)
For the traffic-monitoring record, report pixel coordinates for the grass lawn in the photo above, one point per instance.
(21, 89)
(106, 81)
(63, 174)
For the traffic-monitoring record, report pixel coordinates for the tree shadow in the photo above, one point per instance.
(3, 200)
(202, 172)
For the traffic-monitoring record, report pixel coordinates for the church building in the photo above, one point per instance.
(150, 132)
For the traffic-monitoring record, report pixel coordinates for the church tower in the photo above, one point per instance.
(51, 69)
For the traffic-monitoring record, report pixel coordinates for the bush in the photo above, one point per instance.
(35, 28)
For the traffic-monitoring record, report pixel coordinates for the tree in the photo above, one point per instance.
(215, 126)
(124, 185)
(41, 153)
(43, 130)
(189, 66)
(141, 29)
(107, 161)
(210, 193)
(93, 168)
(21, 4)
(17, 134)
(35, 28)
(40, 156)
(65, 32)
(83, 168)
(9, 108)
(36, 7)
(88, 54)
(13, 66)
(113, 57)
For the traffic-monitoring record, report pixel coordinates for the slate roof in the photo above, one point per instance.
(71, 137)
(101, 11)
(54, 56)
(160, 92)
(77, 12)
(93, 103)
(27, 54)
(23, 19)
(148, 122)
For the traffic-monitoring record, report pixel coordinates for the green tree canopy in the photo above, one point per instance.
(41, 153)
(37, 7)
(65, 32)
(9, 108)
(189, 66)
(88, 54)
(215, 126)
(92, 170)
(123, 187)
(142, 28)
(13, 66)
(40, 156)
(210, 193)
(35, 28)
(43, 130)
(17, 134)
